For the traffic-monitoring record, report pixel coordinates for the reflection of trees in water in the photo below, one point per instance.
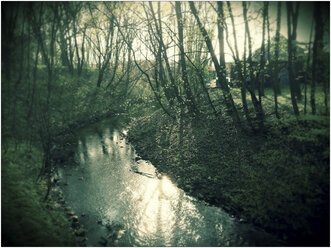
(157, 212)
(113, 153)
(163, 214)
(158, 215)
(83, 155)
(177, 227)
(104, 148)
(115, 136)
(161, 218)
(102, 140)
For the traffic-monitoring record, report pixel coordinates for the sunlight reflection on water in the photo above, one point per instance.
(151, 211)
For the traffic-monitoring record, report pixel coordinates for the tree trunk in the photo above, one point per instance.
(157, 96)
(251, 88)
(157, 49)
(76, 46)
(290, 58)
(8, 24)
(244, 85)
(202, 82)
(296, 83)
(159, 37)
(307, 68)
(235, 55)
(190, 102)
(220, 28)
(82, 61)
(275, 78)
(262, 61)
(226, 91)
(21, 68)
(317, 48)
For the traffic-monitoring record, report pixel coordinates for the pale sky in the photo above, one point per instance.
(303, 30)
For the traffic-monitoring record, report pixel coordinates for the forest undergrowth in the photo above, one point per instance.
(28, 219)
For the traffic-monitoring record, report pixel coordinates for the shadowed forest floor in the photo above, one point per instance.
(28, 219)
(277, 179)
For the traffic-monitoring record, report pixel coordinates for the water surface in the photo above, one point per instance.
(137, 206)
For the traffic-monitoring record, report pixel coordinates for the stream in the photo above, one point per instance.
(124, 202)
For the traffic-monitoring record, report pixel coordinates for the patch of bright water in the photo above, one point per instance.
(142, 207)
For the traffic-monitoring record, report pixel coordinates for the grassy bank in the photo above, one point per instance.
(74, 102)
(278, 179)
(28, 220)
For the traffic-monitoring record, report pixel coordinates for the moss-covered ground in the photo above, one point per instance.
(26, 219)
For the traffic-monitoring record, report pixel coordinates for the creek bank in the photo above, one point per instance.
(75, 227)
(278, 180)
(87, 121)
(64, 141)
(28, 220)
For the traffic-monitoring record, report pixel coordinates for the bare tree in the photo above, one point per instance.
(261, 72)
(251, 86)
(317, 49)
(235, 55)
(159, 37)
(290, 32)
(220, 29)
(220, 77)
(41, 15)
(307, 68)
(275, 78)
(190, 102)
(294, 15)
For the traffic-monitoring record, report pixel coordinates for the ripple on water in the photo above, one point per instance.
(151, 211)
